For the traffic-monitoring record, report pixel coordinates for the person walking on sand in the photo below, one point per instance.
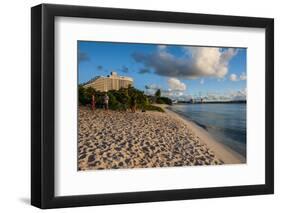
(93, 104)
(105, 101)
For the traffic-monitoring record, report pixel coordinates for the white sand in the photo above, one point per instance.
(118, 139)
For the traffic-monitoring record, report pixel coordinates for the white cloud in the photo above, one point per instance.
(176, 84)
(176, 90)
(233, 77)
(209, 61)
(176, 95)
(238, 95)
(243, 77)
(196, 62)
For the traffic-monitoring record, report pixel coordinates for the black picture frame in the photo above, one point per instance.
(43, 117)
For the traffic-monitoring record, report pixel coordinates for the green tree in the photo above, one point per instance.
(85, 95)
(158, 93)
(113, 103)
(164, 100)
(120, 99)
(81, 95)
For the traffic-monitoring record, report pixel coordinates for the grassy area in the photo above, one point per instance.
(154, 108)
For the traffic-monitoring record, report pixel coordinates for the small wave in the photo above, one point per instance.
(233, 138)
(189, 118)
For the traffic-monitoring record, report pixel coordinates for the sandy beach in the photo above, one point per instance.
(115, 140)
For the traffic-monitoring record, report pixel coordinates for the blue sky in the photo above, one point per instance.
(181, 72)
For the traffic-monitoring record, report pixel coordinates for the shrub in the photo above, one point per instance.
(158, 93)
(163, 100)
(85, 95)
(81, 95)
(121, 99)
(154, 108)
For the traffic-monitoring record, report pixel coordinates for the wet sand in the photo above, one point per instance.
(224, 153)
(116, 140)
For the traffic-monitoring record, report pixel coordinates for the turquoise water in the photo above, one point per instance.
(226, 122)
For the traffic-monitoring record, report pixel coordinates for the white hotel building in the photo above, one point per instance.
(111, 82)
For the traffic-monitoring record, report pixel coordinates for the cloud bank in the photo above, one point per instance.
(176, 85)
(195, 62)
(175, 91)
(178, 91)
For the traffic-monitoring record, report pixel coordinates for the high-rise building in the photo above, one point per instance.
(111, 82)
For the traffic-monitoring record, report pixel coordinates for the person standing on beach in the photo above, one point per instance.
(105, 101)
(133, 104)
(93, 104)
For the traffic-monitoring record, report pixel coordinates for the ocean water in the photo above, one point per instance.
(225, 122)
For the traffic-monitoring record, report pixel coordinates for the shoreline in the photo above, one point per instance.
(226, 154)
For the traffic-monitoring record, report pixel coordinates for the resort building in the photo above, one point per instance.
(111, 82)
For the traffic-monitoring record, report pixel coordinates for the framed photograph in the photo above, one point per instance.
(136, 106)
